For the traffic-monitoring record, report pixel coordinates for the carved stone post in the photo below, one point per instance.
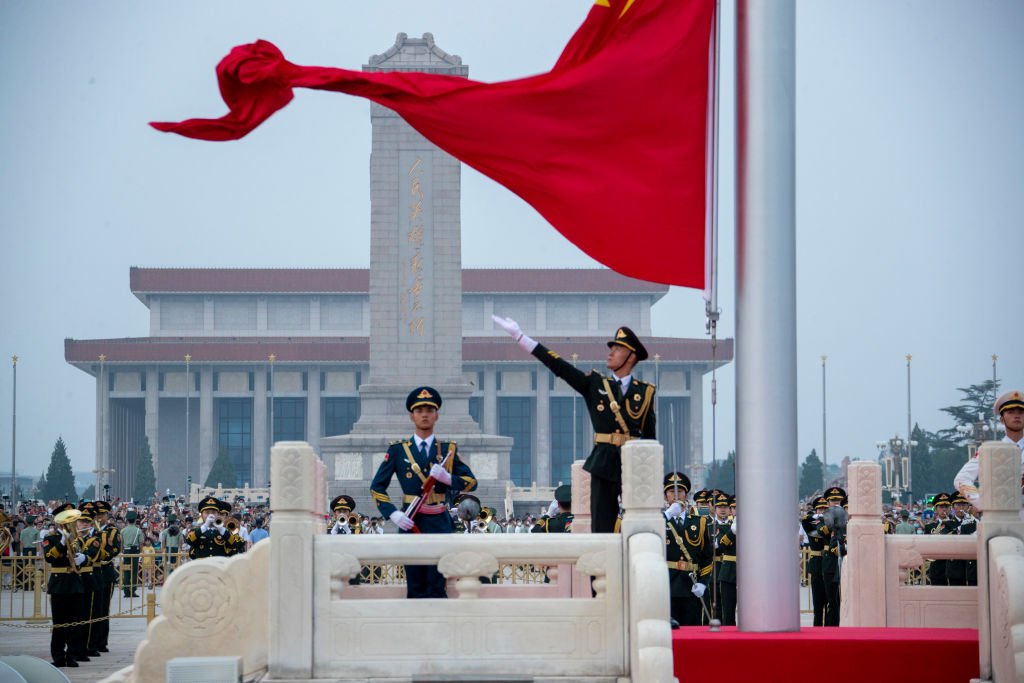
(999, 484)
(580, 499)
(297, 501)
(863, 569)
(642, 493)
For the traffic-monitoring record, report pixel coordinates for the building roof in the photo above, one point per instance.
(85, 353)
(147, 281)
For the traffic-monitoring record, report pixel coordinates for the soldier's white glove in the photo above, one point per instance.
(63, 537)
(733, 526)
(79, 559)
(441, 474)
(512, 328)
(698, 589)
(553, 509)
(336, 528)
(402, 520)
(221, 530)
(674, 510)
(204, 527)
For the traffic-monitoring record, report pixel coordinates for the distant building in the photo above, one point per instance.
(315, 323)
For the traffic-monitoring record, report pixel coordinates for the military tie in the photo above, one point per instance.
(423, 452)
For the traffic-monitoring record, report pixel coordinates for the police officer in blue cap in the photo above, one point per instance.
(413, 460)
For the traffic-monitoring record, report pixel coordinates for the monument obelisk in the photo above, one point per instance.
(415, 295)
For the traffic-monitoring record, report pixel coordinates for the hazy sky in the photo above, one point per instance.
(909, 187)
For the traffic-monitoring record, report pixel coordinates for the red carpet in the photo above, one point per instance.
(835, 655)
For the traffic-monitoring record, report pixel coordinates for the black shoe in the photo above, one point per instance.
(135, 595)
(71, 663)
(93, 653)
(58, 663)
(675, 624)
(103, 649)
(80, 658)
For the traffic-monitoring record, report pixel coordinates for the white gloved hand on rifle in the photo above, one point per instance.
(512, 328)
(674, 510)
(402, 520)
(698, 589)
(441, 474)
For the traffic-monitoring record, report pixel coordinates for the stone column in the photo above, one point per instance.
(313, 408)
(297, 500)
(103, 427)
(490, 410)
(580, 499)
(863, 568)
(542, 451)
(152, 424)
(207, 445)
(260, 431)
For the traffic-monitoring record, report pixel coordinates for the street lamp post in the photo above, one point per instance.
(824, 432)
(910, 442)
(975, 434)
(894, 454)
(188, 422)
(14, 431)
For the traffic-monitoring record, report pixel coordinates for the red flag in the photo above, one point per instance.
(610, 146)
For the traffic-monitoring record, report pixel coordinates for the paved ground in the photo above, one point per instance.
(22, 638)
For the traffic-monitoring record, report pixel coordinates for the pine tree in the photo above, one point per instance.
(60, 480)
(145, 478)
(222, 472)
(89, 493)
(722, 475)
(811, 475)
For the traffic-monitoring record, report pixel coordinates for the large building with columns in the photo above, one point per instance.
(239, 358)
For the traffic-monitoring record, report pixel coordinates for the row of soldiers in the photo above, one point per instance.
(81, 555)
(825, 526)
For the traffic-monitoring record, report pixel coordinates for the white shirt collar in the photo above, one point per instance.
(1020, 444)
(419, 442)
(624, 383)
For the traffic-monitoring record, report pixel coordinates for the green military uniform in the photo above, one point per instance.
(815, 571)
(105, 576)
(616, 419)
(942, 523)
(962, 572)
(131, 544)
(725, 564)
(562, 522)
(214, 541)
(831, 561)
(689, 554)
(93, 579)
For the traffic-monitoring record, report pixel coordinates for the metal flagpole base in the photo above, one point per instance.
(716, 626)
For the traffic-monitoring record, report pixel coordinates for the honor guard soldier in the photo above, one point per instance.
(345, 522)
(816, 543)
(700, 502)
(962, 572)
(1009, 408)
(725, 561)
(942, 523)
(689, 553)
(413, 461)
(105, 574)
(831, 563)
(559, 517)
(62, 550)
(621, 409)
(93, 582)
(212, 538)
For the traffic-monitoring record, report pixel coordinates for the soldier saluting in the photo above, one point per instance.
(621, 409)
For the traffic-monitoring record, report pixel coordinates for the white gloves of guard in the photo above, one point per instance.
(553, 509)
(221, 530)
(674, 510)
(63, 537)
(512, 328)
(734, 526)
(441, 474)
(402, 520)
(336, 528)
(698, 589)
(79, 559)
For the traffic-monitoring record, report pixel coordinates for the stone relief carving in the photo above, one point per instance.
(344, 566)
(203, 602)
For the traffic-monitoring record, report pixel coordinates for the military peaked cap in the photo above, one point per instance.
(343, 503)
(209, 503)
(941, 499)
(626, 337)
(835, 493)
(1011, 399)
(673, 479)
(423, 396)
(563, 494)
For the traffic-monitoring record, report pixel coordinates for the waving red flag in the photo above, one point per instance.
(610, 146)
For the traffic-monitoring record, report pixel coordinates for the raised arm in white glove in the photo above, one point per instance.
(698, 589)
(553, 509)
(512, 328)
(79, 559)
(441, 474)
(674, 510)
(402, 520)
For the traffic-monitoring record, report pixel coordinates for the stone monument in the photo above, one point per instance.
(415, 297)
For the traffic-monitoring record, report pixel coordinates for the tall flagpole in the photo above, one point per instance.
(766, 417)
(910, 443)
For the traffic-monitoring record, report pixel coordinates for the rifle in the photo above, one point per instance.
(428, 488)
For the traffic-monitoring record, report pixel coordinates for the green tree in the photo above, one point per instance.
(222, 472)
(722, 474)
(40, 489)
(975, 405)
(60, 480)
(90, 493)
(811, 475)
(145, 478)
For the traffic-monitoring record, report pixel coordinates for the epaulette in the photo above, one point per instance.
(396, 442)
